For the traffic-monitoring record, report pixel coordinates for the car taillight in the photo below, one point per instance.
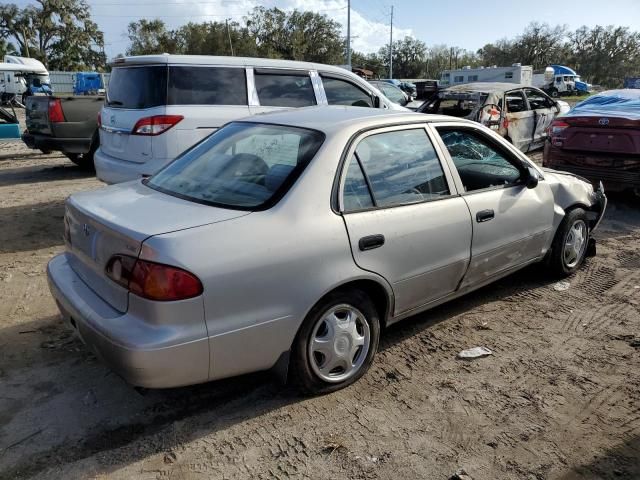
(99, 119)
(155, 125)
(557, 127)
(55, 111)
(151, 280)
(555, 131)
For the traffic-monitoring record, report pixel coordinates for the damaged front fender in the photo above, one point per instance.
(572, 191)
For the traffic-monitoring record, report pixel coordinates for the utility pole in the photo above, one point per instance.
(349, 33)
(229, 35)
(391, 46)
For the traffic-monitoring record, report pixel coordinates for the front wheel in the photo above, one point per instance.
(570, 243)
(336, 343)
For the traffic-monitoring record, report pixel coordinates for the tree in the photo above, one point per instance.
(296, 35)
(149, 37)
(60, 33)
(605, 55)
(6, 48)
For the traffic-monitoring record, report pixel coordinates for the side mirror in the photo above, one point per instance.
(531, 178)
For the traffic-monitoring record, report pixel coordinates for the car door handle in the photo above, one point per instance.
(370, 242)
(484, 215)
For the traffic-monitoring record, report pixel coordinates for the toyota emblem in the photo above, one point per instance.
(603, 121)
(112, 119)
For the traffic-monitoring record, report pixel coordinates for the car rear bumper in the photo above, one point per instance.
(614, 179)
(115, 170)
(144, 354)
(65, 145)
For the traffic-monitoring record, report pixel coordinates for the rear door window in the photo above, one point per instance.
(283, 89)
(137, 87)
(207, 86)
(402, 167)
(342, 92)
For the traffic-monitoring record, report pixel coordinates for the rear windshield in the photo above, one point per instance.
(137, 87)
(460, 105)
(243, 166)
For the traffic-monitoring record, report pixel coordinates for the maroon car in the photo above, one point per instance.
(599, 140)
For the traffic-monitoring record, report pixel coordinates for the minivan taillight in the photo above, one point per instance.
(55, 111)
(155, 125)
(151, 280)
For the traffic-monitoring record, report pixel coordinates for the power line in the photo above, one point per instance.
(391, 46)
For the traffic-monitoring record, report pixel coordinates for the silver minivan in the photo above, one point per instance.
(158, 106)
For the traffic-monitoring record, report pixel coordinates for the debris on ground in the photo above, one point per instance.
(460, 475)
(561, 286)
(475, 352)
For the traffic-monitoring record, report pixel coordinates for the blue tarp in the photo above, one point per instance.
(614, 103)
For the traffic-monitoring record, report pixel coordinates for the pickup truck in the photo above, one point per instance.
(65, 124)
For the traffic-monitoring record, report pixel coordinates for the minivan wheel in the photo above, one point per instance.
(336, 343)
(570, 243)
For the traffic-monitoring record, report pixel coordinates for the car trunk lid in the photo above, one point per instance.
(117, 220)
(600, 134)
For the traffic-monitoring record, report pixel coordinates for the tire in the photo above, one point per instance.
(554, 93)
(564, 262)
(356, 320)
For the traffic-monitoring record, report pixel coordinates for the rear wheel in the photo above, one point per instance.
(85, 160)
(570, 243)
(336, 343)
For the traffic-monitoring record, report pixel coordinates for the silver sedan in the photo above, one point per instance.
(289, 240)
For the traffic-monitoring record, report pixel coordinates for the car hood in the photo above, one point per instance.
(139, 212)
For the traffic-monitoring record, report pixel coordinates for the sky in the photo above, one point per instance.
(469, 24)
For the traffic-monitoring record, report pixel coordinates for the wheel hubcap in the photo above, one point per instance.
(575, 243)
(339, 343)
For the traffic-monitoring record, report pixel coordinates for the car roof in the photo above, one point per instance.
(486, 87)
(335, 118)
(222, 60)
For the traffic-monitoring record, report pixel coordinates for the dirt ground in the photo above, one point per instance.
(559, 399)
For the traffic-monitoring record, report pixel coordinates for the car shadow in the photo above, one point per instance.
(621, 462)
(34, 226)
(130, 414)
(38, 174)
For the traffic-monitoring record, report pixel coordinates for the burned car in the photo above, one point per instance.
(600, 140)
(520, 113)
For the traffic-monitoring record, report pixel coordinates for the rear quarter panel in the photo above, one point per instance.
(262, 273)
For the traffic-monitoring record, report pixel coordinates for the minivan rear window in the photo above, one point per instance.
(245, 166)
(207, 86)
(137, 87)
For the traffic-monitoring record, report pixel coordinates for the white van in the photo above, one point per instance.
(157, 106)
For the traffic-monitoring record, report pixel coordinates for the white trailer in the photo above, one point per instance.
(516, 73)
(20, 77)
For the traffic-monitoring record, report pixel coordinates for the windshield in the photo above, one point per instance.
(137, 87)
(243, 165)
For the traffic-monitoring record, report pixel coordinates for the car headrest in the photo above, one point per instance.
(277, 175)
